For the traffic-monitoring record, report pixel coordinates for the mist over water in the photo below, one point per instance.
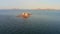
(40, 22)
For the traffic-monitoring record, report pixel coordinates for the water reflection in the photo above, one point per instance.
(26, 27)
(27, 24)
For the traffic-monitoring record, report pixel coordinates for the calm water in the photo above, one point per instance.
(41, 22)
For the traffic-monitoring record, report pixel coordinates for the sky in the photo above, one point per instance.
(30, 4)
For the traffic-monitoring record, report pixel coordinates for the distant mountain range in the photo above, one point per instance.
(29, 9)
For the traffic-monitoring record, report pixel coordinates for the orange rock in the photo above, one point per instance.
(24, 15)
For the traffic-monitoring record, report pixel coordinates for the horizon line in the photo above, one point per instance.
(37, 8)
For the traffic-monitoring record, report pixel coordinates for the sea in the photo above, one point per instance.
(40, 22)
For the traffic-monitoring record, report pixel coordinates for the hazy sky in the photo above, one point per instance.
(30, 4)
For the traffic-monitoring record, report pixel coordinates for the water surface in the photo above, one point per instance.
(41, 22)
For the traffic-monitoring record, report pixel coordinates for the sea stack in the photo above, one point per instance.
(24, 15)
